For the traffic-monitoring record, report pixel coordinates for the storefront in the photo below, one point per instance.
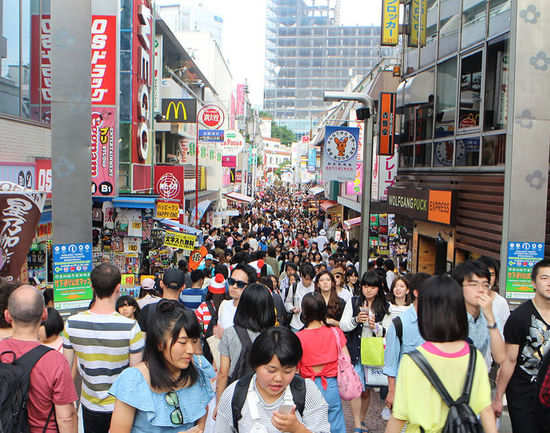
(429, 215)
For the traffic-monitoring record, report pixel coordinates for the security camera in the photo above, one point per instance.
(362, 113)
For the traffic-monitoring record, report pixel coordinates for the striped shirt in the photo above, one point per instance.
(102, 344)
(191, 298)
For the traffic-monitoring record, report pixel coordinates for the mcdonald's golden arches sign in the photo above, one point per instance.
(179, 110)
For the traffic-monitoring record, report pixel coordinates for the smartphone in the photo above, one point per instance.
(285, 408)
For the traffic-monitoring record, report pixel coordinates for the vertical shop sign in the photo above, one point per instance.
(240, 100)
(44, 175)
(169, 182)
(103, 139)
(72, 264)
(340, 153)
(157, 72)
(390, 23)
(387, 175)
(417, 23)
(522, 256)
(386, 141)
(312, 159)
(41, 68)
(355, 187)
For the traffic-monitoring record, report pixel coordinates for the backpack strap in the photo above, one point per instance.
(244, 338)
(239, 397)
(398, 325)
(470, 373)
(298, 389)
(431, 375)
(29, 359)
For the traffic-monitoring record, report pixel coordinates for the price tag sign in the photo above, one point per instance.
(179, 240)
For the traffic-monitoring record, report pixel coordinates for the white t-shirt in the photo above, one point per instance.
(226, 313)
(296, 300)
(345, 294)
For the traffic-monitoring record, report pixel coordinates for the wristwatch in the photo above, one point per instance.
(493, 326)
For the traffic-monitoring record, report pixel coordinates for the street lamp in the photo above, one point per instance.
(364, 113)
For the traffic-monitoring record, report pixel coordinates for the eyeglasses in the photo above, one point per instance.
(239, 284)
(171, 398)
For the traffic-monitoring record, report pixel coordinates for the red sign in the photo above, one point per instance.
(103, 151)
(41, 71)
(239, 176)
(212, 116)
(169, 182)
(229, 161)
(104, 58)
(44, 175)
(141, 82)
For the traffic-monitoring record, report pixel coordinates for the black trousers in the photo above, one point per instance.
(526, 413)
(96, 422)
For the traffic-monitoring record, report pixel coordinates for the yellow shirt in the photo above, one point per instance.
(418, 403)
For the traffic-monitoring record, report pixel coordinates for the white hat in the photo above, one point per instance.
(322, 232)
(148, 284)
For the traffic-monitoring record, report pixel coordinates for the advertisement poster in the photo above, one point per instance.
(72, 264)
(355, 187)
(387, 175)
(340, 153)
(179, 240)
(22, 174)
(168, 210)
(103, 150)
(44, 175)
(522, 256)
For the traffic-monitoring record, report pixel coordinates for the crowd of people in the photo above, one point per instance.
(272, 332)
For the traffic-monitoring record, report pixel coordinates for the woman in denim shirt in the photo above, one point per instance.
(170, 390)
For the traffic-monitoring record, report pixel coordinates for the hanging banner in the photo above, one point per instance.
(169, 182)
(390, 23)
(418, 16)
(178, 240)
(355, 187)
(340, 153)
(386, 141)
(20, 211)
(312, 159)
(103, 151)
(387, 175)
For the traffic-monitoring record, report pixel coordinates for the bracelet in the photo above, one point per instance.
(493, 326)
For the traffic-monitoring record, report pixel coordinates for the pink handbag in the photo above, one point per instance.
(349, 384)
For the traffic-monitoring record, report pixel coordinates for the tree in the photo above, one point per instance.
(282, 165)
(283, 133)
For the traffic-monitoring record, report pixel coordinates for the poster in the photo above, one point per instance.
(340, 153)
(522, 256)
(179, 240)
(103, 150)
(72, 264)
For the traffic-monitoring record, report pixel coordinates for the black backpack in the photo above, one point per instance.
(398, 324)
(297, 387)
(242, 368)
(14, 389)
(461, 418)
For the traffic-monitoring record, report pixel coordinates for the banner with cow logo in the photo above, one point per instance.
(340, 153)
(20, 211)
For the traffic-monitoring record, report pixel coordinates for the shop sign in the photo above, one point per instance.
(22, 174)
(229, 161)
(440, 206)
(386, 140)
(169, 182)
(103, 151)
(212, 116)
(44, 175)
(233, 141)
(417, 23)
(19, 216)
(354, 188)
(390, 23)
(179, 110)
(522, 256)
(41, 72)
(104, 58)
(211, 135)
(239, 176)
(168, 210)
(387, 175)
(340, 153)
(178, 240)
(312, 157)
(72, 264)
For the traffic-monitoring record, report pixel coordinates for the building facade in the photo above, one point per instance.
(307, 52)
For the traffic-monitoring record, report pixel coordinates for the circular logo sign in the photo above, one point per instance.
(341, 145)
(212, 116)
(168, 186)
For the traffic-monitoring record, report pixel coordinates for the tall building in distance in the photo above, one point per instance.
(309, 51)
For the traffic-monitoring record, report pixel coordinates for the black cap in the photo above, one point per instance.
(173, 278)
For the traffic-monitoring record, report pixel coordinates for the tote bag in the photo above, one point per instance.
(349, 384)
(372, 351)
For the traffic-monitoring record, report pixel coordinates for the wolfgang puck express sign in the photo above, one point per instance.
(422, 204)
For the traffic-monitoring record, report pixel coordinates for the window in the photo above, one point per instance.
(494, 150)
(499, 16)
(406, 156)
(423, 155)
(467, 152)
(446, 98)
(421, 94)
(428, 52)
(443, 153)
(407, 125)
(470, 91)
(496, 86)
(473, 21)
(9, 73)
(449, 22)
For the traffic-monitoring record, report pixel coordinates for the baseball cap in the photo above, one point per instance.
(148, 284)
(209, 257)
(322, 232)
(173, 278)
(263, 238)
(217, 285)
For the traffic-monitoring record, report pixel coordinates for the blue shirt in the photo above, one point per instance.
(411, 340)
(479, 333)
(192, 298)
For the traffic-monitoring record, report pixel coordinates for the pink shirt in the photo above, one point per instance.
(51, 382)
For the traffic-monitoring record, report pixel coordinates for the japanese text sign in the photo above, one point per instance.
(104, 58)
(386, 142)
(72, 264)
(168, 210)
(418, 20)
(390, 22)
(179, 240)
(522, 256)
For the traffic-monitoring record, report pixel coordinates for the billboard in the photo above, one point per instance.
(390, 23)
(418, 15)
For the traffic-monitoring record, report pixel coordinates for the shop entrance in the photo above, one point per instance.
(432, 255)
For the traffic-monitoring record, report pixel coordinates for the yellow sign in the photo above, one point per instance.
(179, 240)
(418, 22)
(127, 281)
(168, 210)
(390, 22)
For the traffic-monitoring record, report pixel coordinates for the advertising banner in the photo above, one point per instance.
(390, 23)
(340, 153)
(522, 256)
(179, 240)
(312, 159)
(44, 175)
(41, 70)
(229, 161)
(169, 182)
(355, 187)
(103, 150)
(20, 212)
(104, 58)
(157, 71)
(72, 264)
(418, 21)
(22, 174)
(166, 209)
(386, 141)
(387, 170)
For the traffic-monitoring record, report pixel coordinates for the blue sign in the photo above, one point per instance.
(339, 160)
(522, 256)
(72, 264)
(312, 159)
(211, 135)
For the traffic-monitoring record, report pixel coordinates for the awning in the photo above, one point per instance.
(416, 90)
(316, 190)
(348, 224)
(135, 202)
(235, 196)
(174, 225)
(328, 204)
(203, 207)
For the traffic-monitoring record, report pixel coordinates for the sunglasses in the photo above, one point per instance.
(239, 284)
(172, 400)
